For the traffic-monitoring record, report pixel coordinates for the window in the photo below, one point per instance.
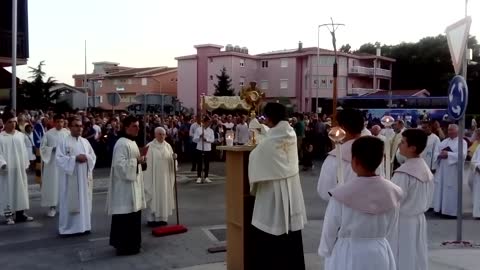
(323, 82)
(327, 60)
(284, 63)
(210, 59)
(242, 81)
(264, 64)
(242, 62)
(120, 88)
(211, 77)
(129, 81)
(100, 83)
(144, 81)
(264, 85)
(284, 84)
(115, 82)
(127, 98)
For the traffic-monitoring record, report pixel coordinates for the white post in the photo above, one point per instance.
(14, 55)
(85, 86)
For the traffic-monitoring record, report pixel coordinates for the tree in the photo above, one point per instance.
(346, 48)
(427, 64)
(224, 84)
(37, 94)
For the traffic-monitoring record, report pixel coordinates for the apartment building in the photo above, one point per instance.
(302, 75)
(109, 77)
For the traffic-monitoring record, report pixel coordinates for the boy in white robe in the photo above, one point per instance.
(361, 214)
(352, 122)
(51, 172)
(75, 159)
(126, 199)
(13, 176)
(159, 179)
(409, 236)
(475, 180)
(279, 209)
(433, 143)
(445, 179)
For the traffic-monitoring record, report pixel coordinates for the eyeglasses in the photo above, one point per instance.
(78, 126)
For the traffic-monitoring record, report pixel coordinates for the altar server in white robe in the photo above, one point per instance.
(279, 210)
(351, 121)
(75, 159)
(475, 180)
(13, 176)
(159, 179)
(51, 172)
(126, 199)
(409, 236)
(433, 144)
(445, 180)
(361, 214)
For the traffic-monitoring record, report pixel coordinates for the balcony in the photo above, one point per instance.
(361, 91)
(370, 72)
(6, 48)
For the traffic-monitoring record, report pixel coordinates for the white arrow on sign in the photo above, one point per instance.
(457, 36)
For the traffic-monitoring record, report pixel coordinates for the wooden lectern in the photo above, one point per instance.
(239, 207)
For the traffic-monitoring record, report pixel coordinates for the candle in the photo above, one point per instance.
(229, 138)
(387, 121)
(337, 135)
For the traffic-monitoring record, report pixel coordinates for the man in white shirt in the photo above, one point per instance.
(203, 137)
(242, 133)
(193, 128)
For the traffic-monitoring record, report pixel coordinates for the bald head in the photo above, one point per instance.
(376, 129)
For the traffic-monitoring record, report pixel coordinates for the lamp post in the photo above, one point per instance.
(332, 27)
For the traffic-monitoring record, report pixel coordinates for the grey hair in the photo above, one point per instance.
(160, 130)
(455, 126)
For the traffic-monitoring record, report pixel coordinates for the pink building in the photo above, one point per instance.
(295, 74)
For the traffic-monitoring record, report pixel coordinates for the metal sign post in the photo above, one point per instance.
(457, 105)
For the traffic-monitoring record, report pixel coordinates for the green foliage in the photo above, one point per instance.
(224, 84)
(427, 64)
(37, 93)
(346, 48)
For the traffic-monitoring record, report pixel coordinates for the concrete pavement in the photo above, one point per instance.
(36, 245)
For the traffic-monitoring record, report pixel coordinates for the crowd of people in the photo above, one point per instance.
(377, 192)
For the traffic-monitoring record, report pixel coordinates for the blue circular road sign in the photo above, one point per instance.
(457, 98)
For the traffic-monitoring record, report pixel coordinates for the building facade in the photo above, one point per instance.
(109, 77)
(304, 76)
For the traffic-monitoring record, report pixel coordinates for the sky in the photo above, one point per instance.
(143, 33)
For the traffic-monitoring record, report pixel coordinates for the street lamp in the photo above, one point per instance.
(332, 27)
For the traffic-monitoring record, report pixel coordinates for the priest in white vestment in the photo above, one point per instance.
(126, 199)
(51, 172)
(475, 180)
(408, 239)
(279, 210)
(376, 130)
(361, 214)
(351, 121)
(75, 159)
(13, 176)
(433, 144)
(159, 180)
(396, 158)
(445, 180)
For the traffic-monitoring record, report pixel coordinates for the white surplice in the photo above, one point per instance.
(159, 179)
(365, 132)
(445, 180)
(408, 238)
(13, 179)
(51, 172)
(75, 185)
(275, 182)
(353, 240)
(433, 143)
(126, 190)
(328, 174)
(475, 180)
(29, 145)
(381, 170)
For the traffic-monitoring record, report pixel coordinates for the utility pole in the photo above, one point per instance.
(332, 27)
(14, 56)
